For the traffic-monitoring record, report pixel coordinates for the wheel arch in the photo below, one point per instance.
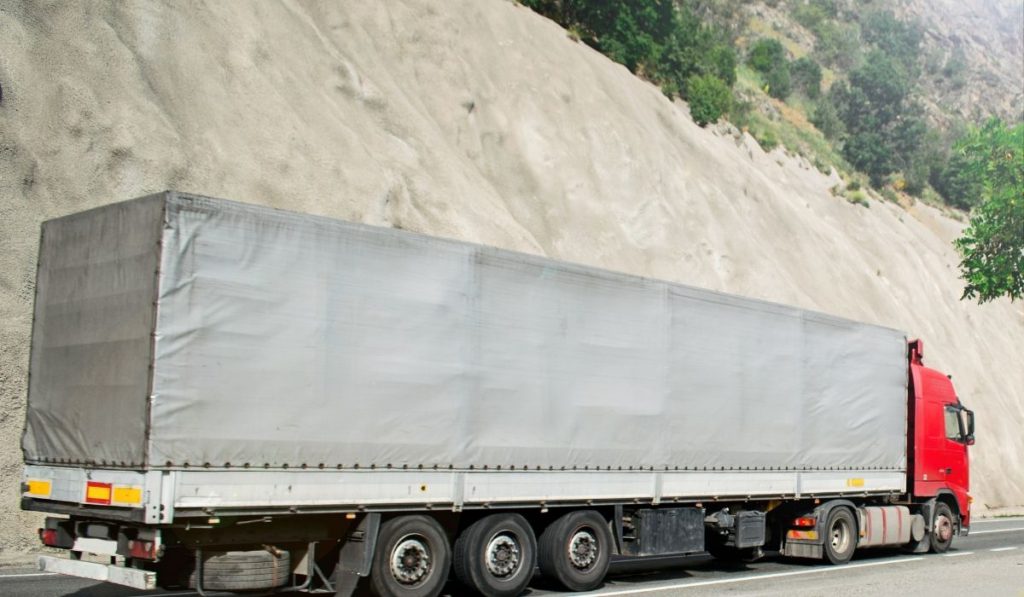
(822, 512)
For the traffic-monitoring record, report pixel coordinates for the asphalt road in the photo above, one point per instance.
(988, 562)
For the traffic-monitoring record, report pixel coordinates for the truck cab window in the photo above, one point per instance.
(953, 428)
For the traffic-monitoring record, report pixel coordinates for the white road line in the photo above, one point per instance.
(958, 554)
(997, 520)
(1013, 530)
(1003, 548)
(705, 583)
(3, 576)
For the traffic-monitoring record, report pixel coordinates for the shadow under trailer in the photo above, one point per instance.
(227, 397)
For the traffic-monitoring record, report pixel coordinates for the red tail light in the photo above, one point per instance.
(805, 522)
(142, 550)
(49, 537)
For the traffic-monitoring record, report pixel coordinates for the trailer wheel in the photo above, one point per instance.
(412, 558)
(575, 550)
(943, 528)
(496, 555)
(840, 536)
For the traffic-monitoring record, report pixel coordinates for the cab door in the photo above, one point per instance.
(954, 466)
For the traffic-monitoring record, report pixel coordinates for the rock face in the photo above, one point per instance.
(989, 37)
(475, 120)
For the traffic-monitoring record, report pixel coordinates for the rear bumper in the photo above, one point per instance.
(144, 580)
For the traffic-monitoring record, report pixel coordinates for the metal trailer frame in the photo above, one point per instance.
(174, 495)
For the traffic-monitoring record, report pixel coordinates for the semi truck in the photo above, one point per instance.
(229, 397)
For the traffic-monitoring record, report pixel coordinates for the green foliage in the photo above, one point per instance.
(659, 39)
(900, 40)
(838, 44)
(884, 128)
(992, 246)
(955, 69)
(959, 183)
(826, 119)
(709, 98)
(806, 75)
(721, 62)
(868, 153)
(779, 81)
(766, 139)
(810, 15)
(766, 54)
(858, 198)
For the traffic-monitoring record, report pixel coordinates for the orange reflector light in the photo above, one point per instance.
(127, 495)
(809, 535)
(39, 487)
(97, 493)
(805, 521)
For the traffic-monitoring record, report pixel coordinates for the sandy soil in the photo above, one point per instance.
(473, 119)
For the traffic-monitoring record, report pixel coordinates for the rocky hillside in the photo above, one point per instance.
(471, 119)
(977, 47)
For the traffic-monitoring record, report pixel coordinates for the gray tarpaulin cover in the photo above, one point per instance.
(287, 339)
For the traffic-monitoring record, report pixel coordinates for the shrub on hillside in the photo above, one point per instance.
(806, 76)
(765, 55)
(779, 82)
(709, 98)
(826, 119)
(900, 40)
(838, 44)
(662, 40)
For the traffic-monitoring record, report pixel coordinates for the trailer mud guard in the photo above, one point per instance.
(356, 555)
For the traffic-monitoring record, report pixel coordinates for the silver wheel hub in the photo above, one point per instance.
(840, 536)
(410, 560)
(503, 555)
(943, 528)
(583, 550)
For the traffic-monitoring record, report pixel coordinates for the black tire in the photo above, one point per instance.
(242, 570)
(412, 558)
(840, 536)
(943, 528)
(496, 555)
(575, 550)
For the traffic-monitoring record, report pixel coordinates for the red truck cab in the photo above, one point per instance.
(941, 430)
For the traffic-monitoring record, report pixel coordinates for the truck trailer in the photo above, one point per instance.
(230, 397)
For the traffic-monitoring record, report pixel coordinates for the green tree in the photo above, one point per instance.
(992, 246)
(827, 119)
(838, 44)
(662, 40)
(709, 98)
(779, 81)
(884, 127)
(766, 54)
(898, 39)
(959, 183)
(806, 75)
